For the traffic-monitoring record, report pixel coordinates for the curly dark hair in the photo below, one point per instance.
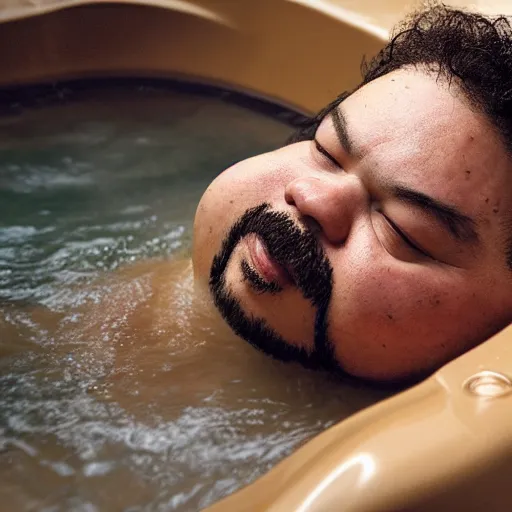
(467, 48)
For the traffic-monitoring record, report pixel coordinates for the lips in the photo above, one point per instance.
(268, 268)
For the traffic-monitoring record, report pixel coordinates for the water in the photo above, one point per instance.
(97, 415)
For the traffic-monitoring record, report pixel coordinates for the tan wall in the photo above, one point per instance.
(280, 50)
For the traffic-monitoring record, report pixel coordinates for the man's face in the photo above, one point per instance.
(379, 247)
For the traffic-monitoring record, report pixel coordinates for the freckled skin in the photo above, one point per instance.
(392, 314)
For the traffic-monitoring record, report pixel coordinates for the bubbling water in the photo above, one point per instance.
(97, 412)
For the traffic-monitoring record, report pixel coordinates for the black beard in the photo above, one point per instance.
(299, 252)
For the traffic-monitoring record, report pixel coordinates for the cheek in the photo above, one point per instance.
(227, 198)
(249, 183)
(392, 320)
(259, 179)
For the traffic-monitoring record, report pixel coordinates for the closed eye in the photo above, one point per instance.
(325, 153)
(405, 238)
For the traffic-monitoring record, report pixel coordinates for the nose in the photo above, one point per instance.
(332, 201)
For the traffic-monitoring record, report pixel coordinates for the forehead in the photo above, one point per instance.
(410, 128)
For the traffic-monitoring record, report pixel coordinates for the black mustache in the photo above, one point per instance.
(296, 250)
(299, 252)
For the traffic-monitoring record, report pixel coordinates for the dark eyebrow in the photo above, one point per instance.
(460, 226)
(340, 126)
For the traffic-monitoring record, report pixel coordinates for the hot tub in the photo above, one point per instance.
(443, 444)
